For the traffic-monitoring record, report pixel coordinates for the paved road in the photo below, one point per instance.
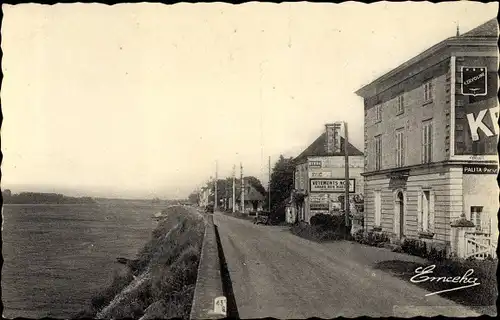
(277, 274)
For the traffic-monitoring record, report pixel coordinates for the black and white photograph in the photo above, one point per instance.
(288, 160)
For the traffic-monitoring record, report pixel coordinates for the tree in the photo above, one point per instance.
(256, 184)
(193, 198)
(281, 186)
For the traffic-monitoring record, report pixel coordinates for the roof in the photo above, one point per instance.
(253, 195)
(317, 149)
(487, 31)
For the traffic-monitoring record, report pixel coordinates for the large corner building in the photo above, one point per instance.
(431, 134)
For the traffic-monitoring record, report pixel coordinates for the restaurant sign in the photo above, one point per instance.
(331, 185)
(480, 169)
(474, 81)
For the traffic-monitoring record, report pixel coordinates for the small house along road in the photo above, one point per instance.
(277, 274)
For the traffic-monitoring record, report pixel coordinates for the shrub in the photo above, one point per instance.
(372, 238)
(415, 247)
(358, 235)
(335, 223)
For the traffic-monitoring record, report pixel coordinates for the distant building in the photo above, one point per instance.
(431, 134)
(253, 198)
(204, 196)
(320, 176)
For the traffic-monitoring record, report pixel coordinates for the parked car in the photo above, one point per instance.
(262, 218)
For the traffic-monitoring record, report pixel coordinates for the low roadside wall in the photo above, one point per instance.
(209, 301)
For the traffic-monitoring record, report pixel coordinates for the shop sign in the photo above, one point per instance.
(480, 169)
(474, 81)
(331, 185)
(318, 198)
(320, 174)
(315, 206)
(315, 164)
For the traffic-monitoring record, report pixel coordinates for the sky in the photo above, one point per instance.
(141, 100)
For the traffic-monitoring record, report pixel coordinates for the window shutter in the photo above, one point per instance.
(423, 144)
(419, 211)
(431, 211)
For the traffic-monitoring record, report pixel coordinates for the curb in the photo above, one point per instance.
(209, 301)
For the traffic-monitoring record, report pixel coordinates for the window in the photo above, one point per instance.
(426, 211)
(400, 151)
(401, 104)
(378, 152)
(427, 141)
(378, 208)
(475, 217)
(479, 147)
(378, 113)
(428, 91)
(301, 178)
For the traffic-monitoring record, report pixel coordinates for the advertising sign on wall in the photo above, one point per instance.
(331, 185)
(480, 169)
(319, 197)
(320, 174)
(314, 164)
(474, 81)
(316, 206)
(476, 108)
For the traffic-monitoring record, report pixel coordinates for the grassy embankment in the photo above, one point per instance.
(160, 283)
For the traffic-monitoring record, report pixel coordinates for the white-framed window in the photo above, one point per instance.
(401, 104)
(476, 217)
(378, 152)
(428, 94)
(400, 148)
(378, 113)
(426, 211)
(378, 208)
(427, 141)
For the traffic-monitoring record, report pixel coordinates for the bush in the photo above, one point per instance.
(358, 235)
(420, 249)
(327, 222)
(372, 238)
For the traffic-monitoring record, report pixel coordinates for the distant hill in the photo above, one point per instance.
(43, 198)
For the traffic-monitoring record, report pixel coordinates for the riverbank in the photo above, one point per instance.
(160, 282)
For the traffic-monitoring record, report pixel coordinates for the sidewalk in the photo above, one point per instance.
(481, 297)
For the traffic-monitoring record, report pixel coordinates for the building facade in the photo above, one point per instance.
(319, 177)
(431, 135)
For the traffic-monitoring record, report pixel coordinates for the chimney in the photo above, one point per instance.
(333, 138)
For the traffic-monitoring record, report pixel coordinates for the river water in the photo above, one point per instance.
(56, 257)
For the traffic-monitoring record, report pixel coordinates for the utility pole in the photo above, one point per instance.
(242, 189)
(234, 188)
(346, 155)
(269, 187)
(216, 178)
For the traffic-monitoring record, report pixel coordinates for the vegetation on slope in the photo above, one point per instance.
(160, 283)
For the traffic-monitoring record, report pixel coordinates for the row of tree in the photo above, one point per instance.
(281, 185)
(43, 198)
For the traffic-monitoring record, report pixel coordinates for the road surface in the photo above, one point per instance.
(277, 274)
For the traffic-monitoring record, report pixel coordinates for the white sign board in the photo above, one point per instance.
(331, 185)
(315, 163)
(320, 174)
(319, 198)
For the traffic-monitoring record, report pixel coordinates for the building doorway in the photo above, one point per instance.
(400, 200)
